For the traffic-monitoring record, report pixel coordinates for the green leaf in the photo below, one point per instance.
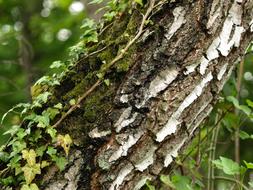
(51, 113)
(30, 172)
(29, 156)
(51, 151)
(228, 166)
(33, 186)
(166, 180)
(249, 165)
(250, 184)
(244, 135)
(17, 147)
(243, 108)
(72, 102)
(149, 186)
(12, 131)
(181, 182)
(21, 133)
(57, 64)
(250, 103)
(65, 142)
(107, 82)
(42, 120)
(44, 164)
(7, 181)
(24, 105)
(139, 2)
(60, 162)
(52, 132)
(58, 106)
(42, 98)
(4, 156)
(40, 150)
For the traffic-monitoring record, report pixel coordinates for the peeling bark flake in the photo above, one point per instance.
(171, 125)
(121, 176)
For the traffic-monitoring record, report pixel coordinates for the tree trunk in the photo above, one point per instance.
(159, 93)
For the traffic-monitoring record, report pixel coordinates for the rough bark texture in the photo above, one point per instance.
(160, 92)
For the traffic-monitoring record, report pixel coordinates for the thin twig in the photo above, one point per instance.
(117, 58)
(231, 180)
(237, 129)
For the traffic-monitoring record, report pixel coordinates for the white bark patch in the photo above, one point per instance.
(190, 69)
(199, 121)
(147, 160)
(223, 43)
(171, 125)
(96, 134)
(214, 13)
(141, 183)
(124, 98)
(233, 21)
(124, 119)
(160, 83)
(121, 176)
(251, 25)
(179, 20)
(173, 154)
(122, 150)
(222, 71)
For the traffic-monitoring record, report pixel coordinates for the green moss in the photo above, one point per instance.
(96, 105)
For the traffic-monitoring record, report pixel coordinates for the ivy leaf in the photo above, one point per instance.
(42, 120)
(7, 181)
(181, 182)
(15, 164)
(29, 156)
(250, 103)
(44, 164)
(72, 102)
(243, 108)
(30, 172)
(12, 131)
(244, 135)
(40, 150)
(51, 151)
(17, 147)
(228, 166)
(107, 82)
(21, 133)
(60, 162)
(52, 132)
(58, 106)
(4, 156)
(57, 64)
(33, 186)
(249, 165)
(24, 105)
(65, 142)
(42, 98)
(51, 113)
(35, 136)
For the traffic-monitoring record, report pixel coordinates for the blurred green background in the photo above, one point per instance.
(33, 34)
